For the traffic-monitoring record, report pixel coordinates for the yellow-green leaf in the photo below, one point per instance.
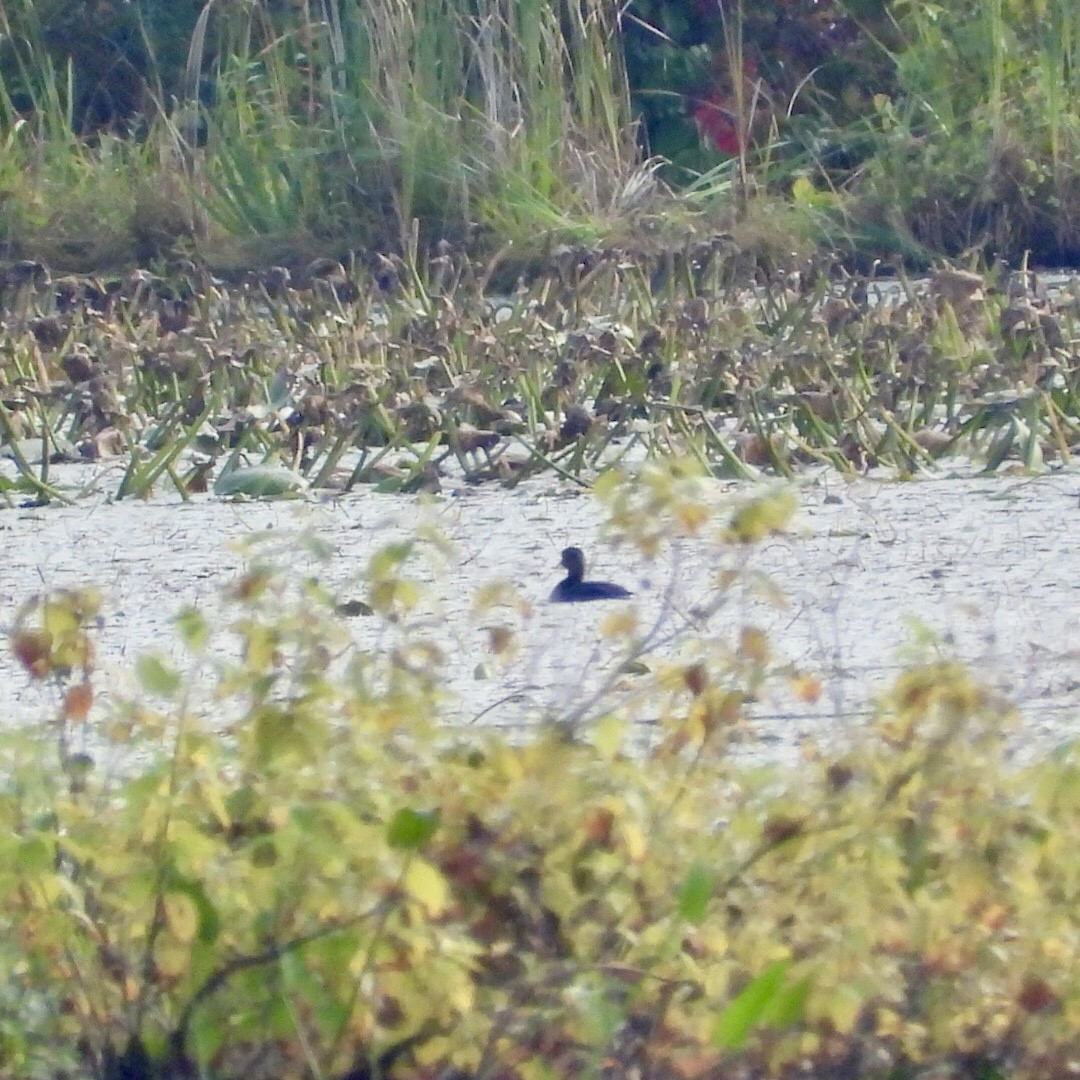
(695, 893)
(760, 517)
(748, 1009)
(157, 676)
(181, 915)
(425, 884)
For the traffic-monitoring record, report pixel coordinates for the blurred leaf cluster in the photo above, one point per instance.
(275, 861)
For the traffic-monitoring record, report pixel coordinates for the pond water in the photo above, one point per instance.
(988, 564)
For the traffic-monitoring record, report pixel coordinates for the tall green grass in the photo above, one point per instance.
(302, 129)
(979, 149)
(342, 122)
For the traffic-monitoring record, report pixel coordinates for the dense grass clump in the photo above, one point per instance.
(241, 132)
(303, 131)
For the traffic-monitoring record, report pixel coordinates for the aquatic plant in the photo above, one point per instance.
(411, 374)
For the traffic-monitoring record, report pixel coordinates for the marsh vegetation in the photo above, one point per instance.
(264, 250)
(399, 374)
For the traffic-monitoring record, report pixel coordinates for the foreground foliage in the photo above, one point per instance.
(277, 863)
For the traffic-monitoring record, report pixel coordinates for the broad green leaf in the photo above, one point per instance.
(264, 854)
(389, 485)
(1001, 445)
(187, 900)
(208, 1033)
(301, 982)
(788, 1006)
(34, 855)
(279, 393)
(214, 797)
(172, 957)
(157, 676)
(608, 735)
(389, 593)
(695, 893)
(803, 190)
(260, 482)
(748, 1010)
(607, 482)
(193, 629)
(386, 560)
(48, 888)
(636, 840)
(410, 830)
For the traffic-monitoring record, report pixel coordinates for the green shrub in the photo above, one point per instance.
(277, 862)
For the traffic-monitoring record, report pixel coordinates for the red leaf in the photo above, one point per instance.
(717, 123)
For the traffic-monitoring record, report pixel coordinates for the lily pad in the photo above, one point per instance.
(261, 482)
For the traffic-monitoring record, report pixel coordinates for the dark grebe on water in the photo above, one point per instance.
(573, 588)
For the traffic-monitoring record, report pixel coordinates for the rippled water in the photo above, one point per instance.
(989, 565)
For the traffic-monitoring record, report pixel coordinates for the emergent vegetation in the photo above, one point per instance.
(404, 373)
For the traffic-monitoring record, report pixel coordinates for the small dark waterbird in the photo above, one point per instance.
(574, 589)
